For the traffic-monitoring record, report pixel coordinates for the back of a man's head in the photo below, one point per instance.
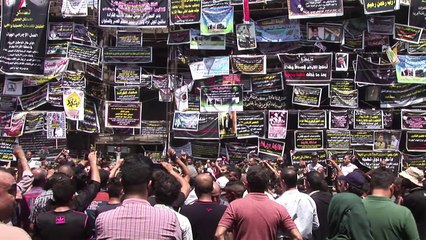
(203, 184)
(236, 188)
(314, 180)
(166, 189)
(67, 170)
(289, 176)
(257, 179)
(136, 173)
(114, 188)
(382, 180)
(39, 176)
(63, 191)
(104, 174)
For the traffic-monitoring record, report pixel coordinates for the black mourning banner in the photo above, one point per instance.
(123, 114)
(372, 159)
(306, 67)
(8, 103)
(94, 71)
(339, 154)
(34, 122)
(271, 147)
(153, 128)
(34, 99)
(407, 33)
(6, 148)
(308, 140)
(402, 95)
(373, 73)
(338, 139)
(359, 137)
(208, 128)
(343, 94)
(128, 74)
(338, 119)
(83, 53)
(127, 54)
(307, 96)
(237, 151)
(129, 39)
(143, 13)
(179, 37)
(23, 37)
(312, 119)
(416, 141)
(90, 123)
(205, 150)
(248, 64)
(126, 93)
(193, 102)
(307, 156)
(267, 83)
(368, 119)
(250, 124)
(254, 101)
(379, 6)
(185, 12)
(413, 119)
(314, 9)
(380, 25)
(418, 161)
(417, 14)
(71, 79)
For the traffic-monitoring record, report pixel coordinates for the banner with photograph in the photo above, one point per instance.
(312, 119)
(246, 36)
(34, 99)
(359, 137)
(402, 95)
(306, 96)
(23, 28)
(155, 128)
(187, 12)
(411, 69)
(185, 121)
(413, 119)
(277, 124)
(338, 139)
(314, 9)
(12, 87)
(60, 31)
(249, 64)
(417, 14)
(134, 14)
(200, 42)
(407, 33)
(368, 119)
(380, 6)
(127, 74)
(126, 93)
(81, 33)
(5, 119)
(382, 25)
(216, 66)
(415, 141)
(7, 146)
(181, 98)
(208, 128)
(128, 39)
(56, 127)
(127, 55)
(250, 124)
(372, 159)
(371, 73)
(324, 32)
(217, 20)
(73, 101)
(205, 150)
(123, 114)
(343, 93)
(238, 152)
(74, 8)
(83, 53)
(306, 66)
(271, 147)
(227, 124)
(277, 29)
(254, 101)
(267, 83)
(90, 123)
(221, 98)
(179, 37)
(16, 127)
(308, 140)
(386, 140)
(338, 119)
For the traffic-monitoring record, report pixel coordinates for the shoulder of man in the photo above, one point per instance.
(11, 232)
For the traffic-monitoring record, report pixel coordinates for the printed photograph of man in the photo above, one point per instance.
(342, 60)
(316, 33)
(386, 140)
(228, 124)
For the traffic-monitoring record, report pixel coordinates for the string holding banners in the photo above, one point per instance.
(338, 139)
(60, 31)
(368, 119)
(83, 53)
(217, 20)
(135, 13)
(324, 32)
(415, 141)
(208, 128)
(126, 93)
(179, 37)
(314, 9)
(123, 114)
(343, 93)
(90, 122)
(371, 73)
(306, 96)
(277, 124)
(308, 140)
(380, 6)
(271, 147)
(416, 14)
(277, 29)
(128, 74)
(74, 8)
(221, 98)
(306, 67)
(200, 42)
(412, 119)
(372, 159)
(407, 33)
(362, 138)
(186, 121)
(338, 119)
(6, 149)
(249, 64)
(129, 39)
(246, 36)
(127, 55)
(382, 25)
(250, 124)
(312, 119)
(411, 69)
(386, 140)
(188, 12)
(56, 127)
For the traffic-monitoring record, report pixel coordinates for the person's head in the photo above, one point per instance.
(189, 160)
(257, 179)
(341, 59)
(166, 189)
(114, 188)
(234, 190)
(66, 170)
(203, 185)
(383, 181)
(63, 191)
(380, 138)
(315, 158)
(353, 182)
(383, 164)
(136, 174)
(39, 176)
(315, 182)
(252, 161)
(288, 178)
(412, 177)
(104, 174)
(314, 31)
(28, 155)
(234, 173)
(347, 159)
(216, 192)
(393, 137)
(7, 195)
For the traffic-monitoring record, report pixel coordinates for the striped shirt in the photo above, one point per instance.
(137, 219)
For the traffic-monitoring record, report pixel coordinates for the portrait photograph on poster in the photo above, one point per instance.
(246, 36)
(341, 61)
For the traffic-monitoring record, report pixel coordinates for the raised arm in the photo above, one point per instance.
(185, 185)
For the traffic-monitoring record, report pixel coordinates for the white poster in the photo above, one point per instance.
(74, 8)
(12, 88)
(56, 125)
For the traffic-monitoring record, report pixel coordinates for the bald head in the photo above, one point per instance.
(67, 170)
(203, 184)
(7, 195)
(216, 189)
(289, 177)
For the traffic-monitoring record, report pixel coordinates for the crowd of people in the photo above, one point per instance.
(134, 198)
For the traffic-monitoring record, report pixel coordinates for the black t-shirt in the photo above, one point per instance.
(105, 208)
(68, 225)
(204, 218)
(322, 201)
(416, 202)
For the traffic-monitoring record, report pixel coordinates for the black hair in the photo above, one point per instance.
(289, 176)
(63, 190)
(236, 187)
(114, 187)
(104, 175)
(382, 180)
(258, 179)
(166, 189)
(136, 173)
(236, 170)
(315, 180)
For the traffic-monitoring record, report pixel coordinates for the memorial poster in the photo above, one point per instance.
(123, 114)
(308, 140)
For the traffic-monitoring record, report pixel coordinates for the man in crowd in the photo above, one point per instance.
(347, 166)
(300, 206)
(136, 218)
(388, 220)
(256, 216)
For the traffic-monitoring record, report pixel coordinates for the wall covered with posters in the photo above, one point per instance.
(274, 78)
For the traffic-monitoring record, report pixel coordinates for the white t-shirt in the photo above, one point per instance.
(348, 168)
(222, 181)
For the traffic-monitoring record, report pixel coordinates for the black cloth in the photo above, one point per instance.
(105, 208)
(68, 225)
(416, 202)
(178, 203)
(204, 218)
(322, 201)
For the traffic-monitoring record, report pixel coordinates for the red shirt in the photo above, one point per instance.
(256, 217)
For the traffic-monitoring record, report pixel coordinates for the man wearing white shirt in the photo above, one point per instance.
(300, 206)
(347, 166)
